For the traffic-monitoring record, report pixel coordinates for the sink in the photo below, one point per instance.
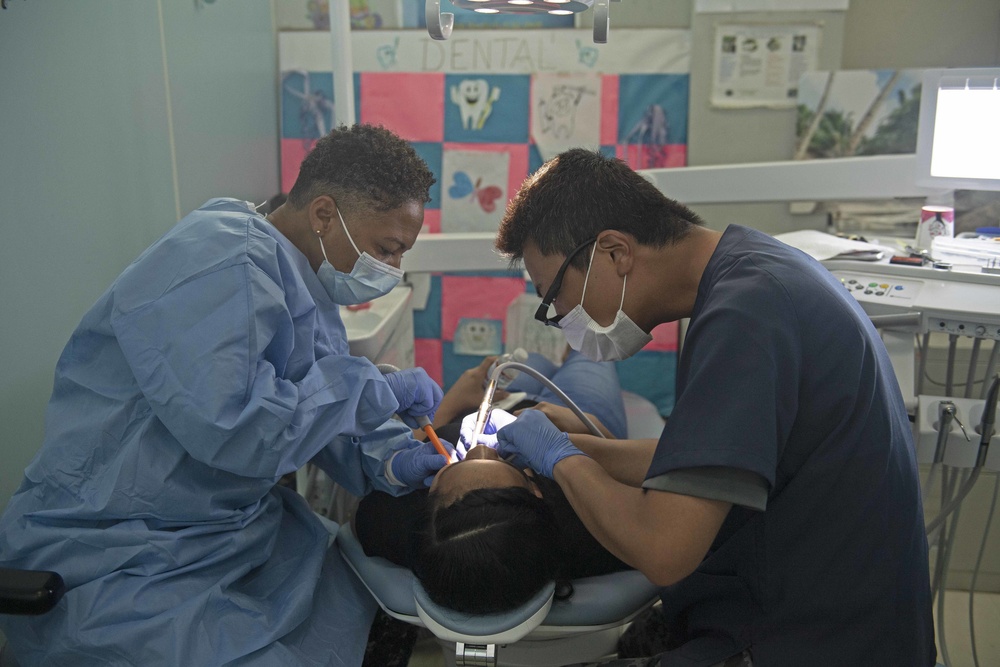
(382, 331)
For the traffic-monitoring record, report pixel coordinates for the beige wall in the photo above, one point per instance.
(922, 33)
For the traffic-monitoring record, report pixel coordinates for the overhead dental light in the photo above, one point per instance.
(439, 25)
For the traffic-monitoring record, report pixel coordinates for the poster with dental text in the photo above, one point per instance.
(760, 65)
(485, 109)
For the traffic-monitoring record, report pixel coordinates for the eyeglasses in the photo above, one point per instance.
(542, 314)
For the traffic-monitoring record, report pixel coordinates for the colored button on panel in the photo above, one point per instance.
(884, 286)
(898, 288)
(873, 284)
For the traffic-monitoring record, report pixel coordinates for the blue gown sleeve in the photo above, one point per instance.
(210, 354)
(357, 463)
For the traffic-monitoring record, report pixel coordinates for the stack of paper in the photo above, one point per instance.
(823, 246)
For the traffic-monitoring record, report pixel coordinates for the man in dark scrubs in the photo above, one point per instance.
(781, 505)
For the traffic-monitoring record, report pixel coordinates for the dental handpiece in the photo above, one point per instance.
(487, 405)
(484, 410)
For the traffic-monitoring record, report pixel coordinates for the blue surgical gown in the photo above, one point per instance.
(213, 365)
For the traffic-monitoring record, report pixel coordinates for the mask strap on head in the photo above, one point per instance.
(593, 251)
(342, 224)
(624, 282)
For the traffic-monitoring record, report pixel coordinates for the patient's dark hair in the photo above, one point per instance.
(489, 551)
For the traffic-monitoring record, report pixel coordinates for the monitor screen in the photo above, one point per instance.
(958, 141)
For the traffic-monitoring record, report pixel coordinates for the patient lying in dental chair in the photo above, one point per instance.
(487, 535)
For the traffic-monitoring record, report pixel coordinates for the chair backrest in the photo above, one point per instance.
(391, 585)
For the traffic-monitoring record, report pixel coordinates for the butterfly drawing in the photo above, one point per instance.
(463, 187)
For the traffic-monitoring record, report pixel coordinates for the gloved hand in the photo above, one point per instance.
(537, 441)
(497, 420)
(416, 465)
(417, 394)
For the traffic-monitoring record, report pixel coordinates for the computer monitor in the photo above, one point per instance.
(958, 140)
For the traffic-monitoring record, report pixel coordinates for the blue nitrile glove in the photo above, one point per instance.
(537, 441)
(416, 465)
(496, 421)
(417, 394)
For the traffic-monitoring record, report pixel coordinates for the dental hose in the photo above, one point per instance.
(947, 415)
(482, 416)
(987, 428)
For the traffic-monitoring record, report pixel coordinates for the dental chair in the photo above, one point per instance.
(540, 633)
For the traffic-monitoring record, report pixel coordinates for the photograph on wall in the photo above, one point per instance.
(857, 112)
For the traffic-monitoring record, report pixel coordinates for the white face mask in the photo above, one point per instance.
(619, 340)
(369, 279)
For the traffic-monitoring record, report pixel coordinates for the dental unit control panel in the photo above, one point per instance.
(957, 303)
(952, 302)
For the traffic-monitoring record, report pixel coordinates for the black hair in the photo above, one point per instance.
(362, 165)
(580, 193)
(489, 551)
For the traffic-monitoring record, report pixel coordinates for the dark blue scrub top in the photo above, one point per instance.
(783, 375)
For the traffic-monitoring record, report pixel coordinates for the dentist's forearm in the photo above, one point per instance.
(664, 535)
(627, 461)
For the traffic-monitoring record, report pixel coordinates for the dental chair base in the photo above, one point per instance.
(535, 651)
(542, 633)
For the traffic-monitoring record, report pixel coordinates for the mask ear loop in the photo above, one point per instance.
(593, 251)
(342, 224)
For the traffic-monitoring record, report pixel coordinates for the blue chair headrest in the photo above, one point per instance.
(502, 628)
(597, 601)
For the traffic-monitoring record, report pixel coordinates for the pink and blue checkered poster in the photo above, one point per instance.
(484, 110)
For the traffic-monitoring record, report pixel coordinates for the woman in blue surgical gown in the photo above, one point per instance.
(216, 363)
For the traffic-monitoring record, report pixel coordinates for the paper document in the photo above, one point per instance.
(820, 246)
(979, 251)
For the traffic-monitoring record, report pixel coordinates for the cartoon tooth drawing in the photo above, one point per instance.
(478, 336)
(475, 101)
